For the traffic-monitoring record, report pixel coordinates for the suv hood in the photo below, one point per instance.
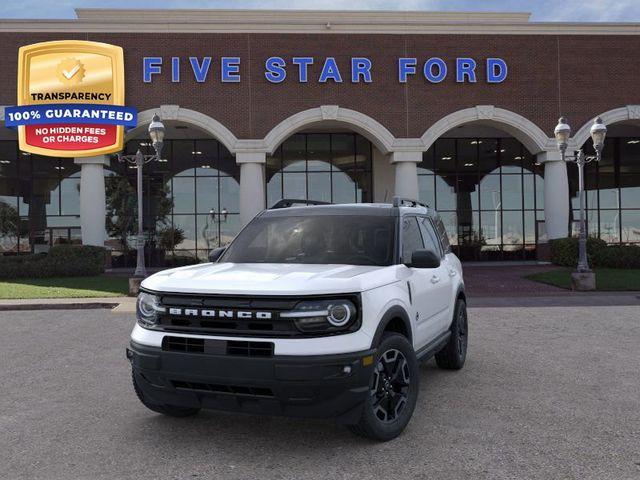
(270, 279)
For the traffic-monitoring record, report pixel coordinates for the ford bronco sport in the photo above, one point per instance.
(313, 310)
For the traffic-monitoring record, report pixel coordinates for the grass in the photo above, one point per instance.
(69, 287)
(607, 279)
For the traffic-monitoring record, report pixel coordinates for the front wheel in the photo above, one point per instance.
(454, 353)
(393, 390)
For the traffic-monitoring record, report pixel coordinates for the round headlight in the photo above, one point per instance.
(339, 315)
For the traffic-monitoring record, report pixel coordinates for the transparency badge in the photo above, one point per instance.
(70, 99)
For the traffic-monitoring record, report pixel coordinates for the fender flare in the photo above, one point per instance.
(460, 293)
(395, 311)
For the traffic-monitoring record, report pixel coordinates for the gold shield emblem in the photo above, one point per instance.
(71, 72)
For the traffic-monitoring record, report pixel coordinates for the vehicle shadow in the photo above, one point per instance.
(227, 431)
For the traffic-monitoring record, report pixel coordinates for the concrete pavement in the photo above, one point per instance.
(546, 393)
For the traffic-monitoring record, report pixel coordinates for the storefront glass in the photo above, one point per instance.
(329, 167)
(612, 192)
(489, 194)
(39, 201)
(191, 201)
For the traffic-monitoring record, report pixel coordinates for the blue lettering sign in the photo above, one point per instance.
(465, 67)
(330, 71)
(428, 70)
(175, 69)
(406, 66)
(434, 69)
(496, 70)
(360, 67)
(303, 66)
(230, 69)
(200, 71)
(151, 66)
(275, 69)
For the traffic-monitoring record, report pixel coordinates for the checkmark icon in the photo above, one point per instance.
(71, 73)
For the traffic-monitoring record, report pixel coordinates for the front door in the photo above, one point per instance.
(429, 286)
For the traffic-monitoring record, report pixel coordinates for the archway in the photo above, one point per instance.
(191, 196)
(521, 128)
(328, 154)
(481, 173)
(39, 204)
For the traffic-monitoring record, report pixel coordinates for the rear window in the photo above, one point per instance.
(442, 233)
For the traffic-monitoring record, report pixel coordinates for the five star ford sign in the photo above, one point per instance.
(71, 99)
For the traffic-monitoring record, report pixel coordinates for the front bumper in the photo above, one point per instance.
(319, 386)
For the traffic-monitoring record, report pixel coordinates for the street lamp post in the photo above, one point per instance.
(156, 133)
(598, 132)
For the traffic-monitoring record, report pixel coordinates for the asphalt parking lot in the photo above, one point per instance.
(550, 392)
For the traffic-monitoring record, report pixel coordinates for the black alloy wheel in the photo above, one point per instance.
(390, 387)
(393, 390)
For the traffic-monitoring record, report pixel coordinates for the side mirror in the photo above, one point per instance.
(425, 259)
(216, 253)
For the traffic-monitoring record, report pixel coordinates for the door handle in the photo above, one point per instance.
(435, 279)
(452, 273)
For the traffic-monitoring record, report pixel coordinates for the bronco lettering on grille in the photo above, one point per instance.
(209, 313)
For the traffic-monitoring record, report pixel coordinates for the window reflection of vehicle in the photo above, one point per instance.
(351, 240)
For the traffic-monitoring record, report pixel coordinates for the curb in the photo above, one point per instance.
(57, 306)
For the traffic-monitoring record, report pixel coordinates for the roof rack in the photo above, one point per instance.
(400, 201)
(292, 202)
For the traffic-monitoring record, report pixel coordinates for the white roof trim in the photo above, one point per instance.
(311, 21)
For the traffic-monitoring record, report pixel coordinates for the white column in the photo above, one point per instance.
(556, 194)
(252, 188)
(93, 208)
(406, 170)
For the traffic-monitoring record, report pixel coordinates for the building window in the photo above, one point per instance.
(329, 167)
(39, 201)
(612, 190)
(195, 189)
(488, 192)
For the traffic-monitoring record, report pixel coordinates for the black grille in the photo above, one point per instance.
(228, 389)
(275, 326)
(250, 349)
(183, 344)
(217, 347)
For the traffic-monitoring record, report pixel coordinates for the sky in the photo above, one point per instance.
(542, 10)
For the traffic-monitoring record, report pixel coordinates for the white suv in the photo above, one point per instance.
(314, 310)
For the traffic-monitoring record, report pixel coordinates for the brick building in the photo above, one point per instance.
(457, 109)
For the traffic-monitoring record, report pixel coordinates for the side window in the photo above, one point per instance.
(411, 238)
(442, 234)
(429, 235)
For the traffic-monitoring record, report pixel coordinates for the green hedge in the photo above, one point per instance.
(173, 261)
(564, 252)
(61, 261)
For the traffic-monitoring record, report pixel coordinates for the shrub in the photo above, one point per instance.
(618, 256)
(564, 252)
(61, 261)
(173, 261)
(169, 237)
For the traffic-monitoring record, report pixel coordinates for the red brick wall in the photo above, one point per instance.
(578, 76)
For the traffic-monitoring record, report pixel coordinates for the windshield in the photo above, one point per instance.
(323, 239)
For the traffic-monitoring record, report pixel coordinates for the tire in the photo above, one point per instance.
(393, 390)
(169, 410)
(454, 353)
